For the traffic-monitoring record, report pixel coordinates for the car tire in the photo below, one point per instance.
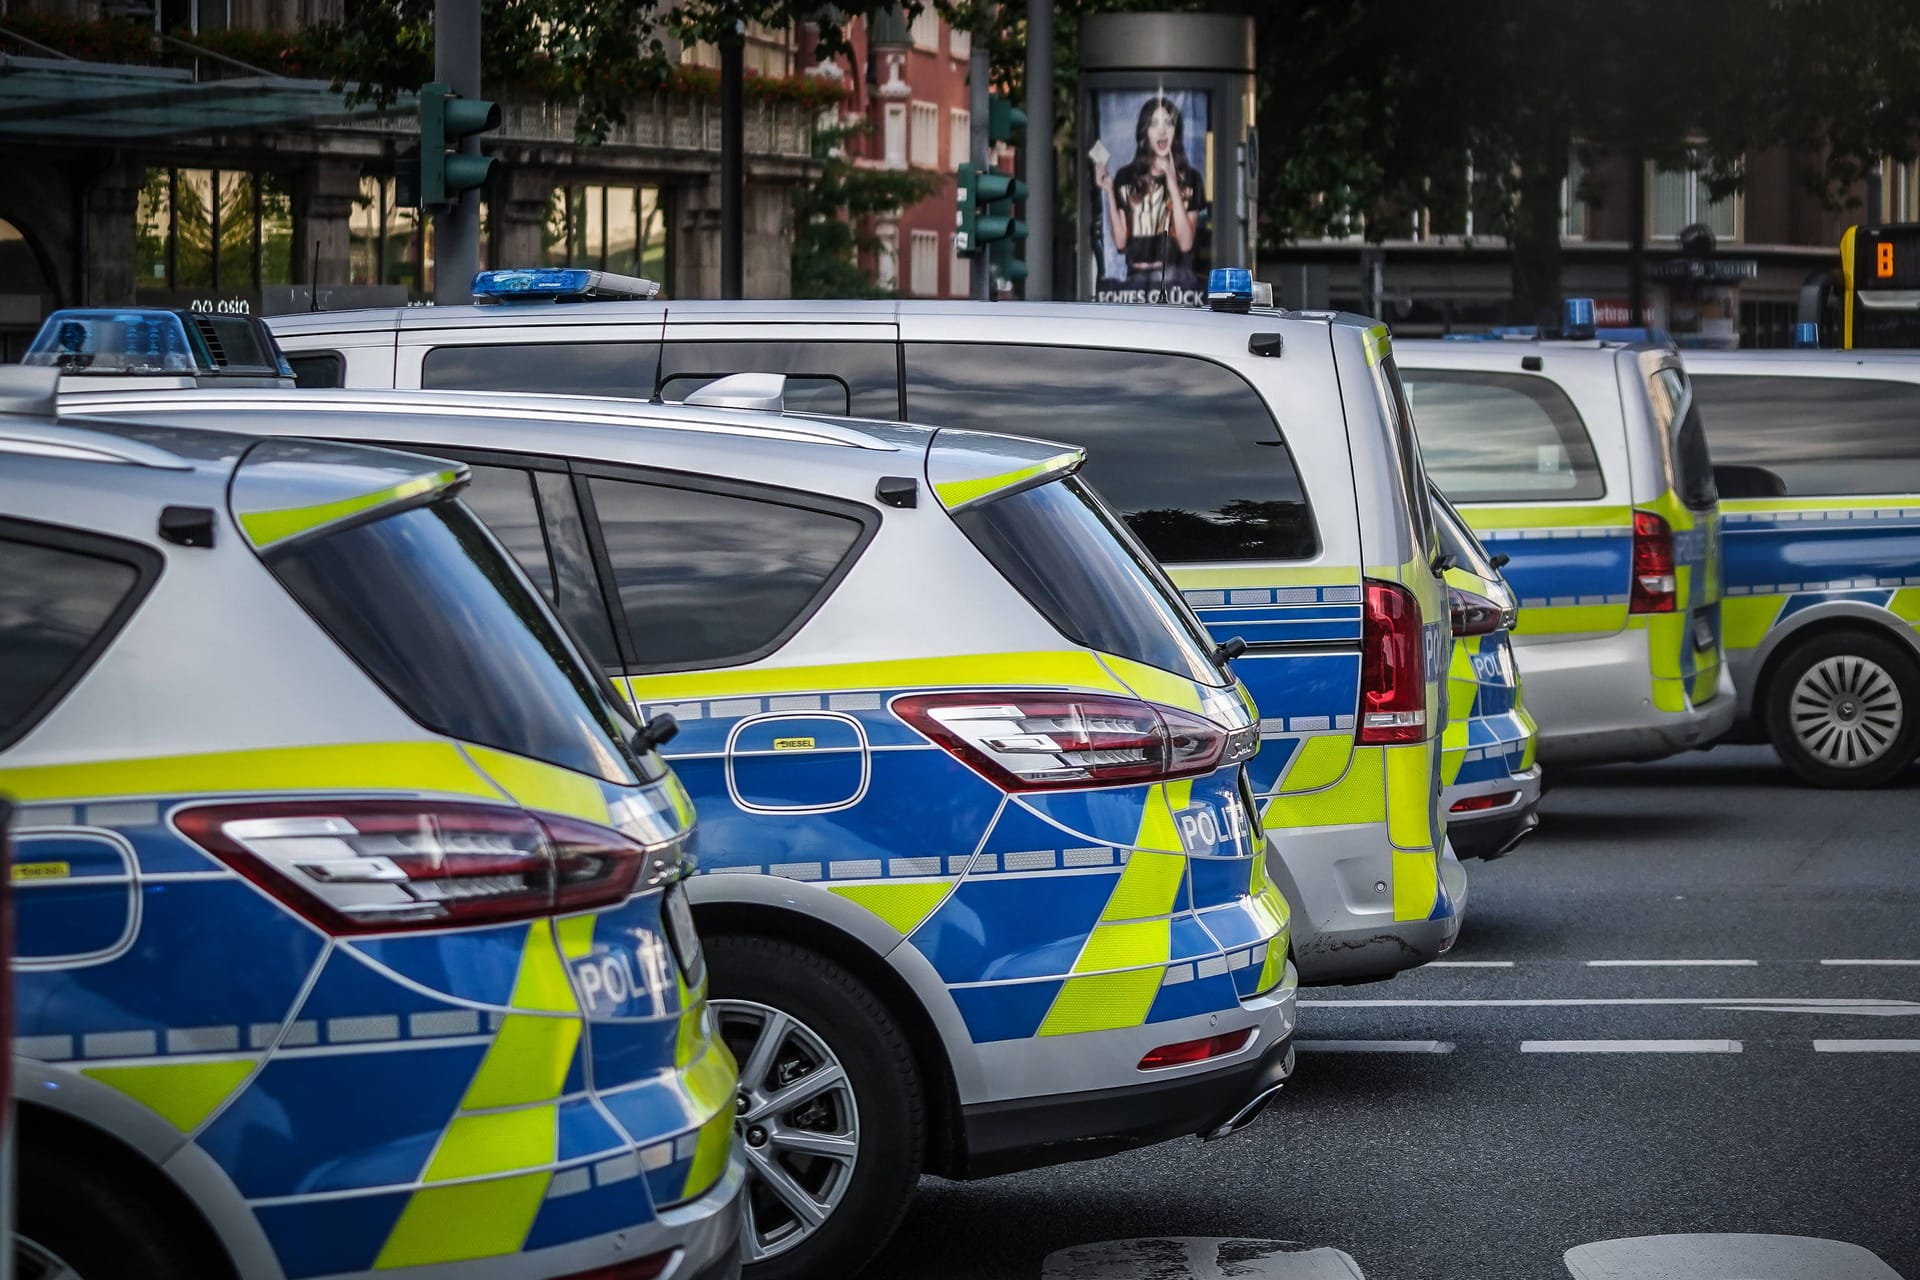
(95, 1224)
(829, 1014)
(1843, 710)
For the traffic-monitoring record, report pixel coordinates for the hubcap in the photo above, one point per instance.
(36, 1262)
(797, 1117)
(1846, 711)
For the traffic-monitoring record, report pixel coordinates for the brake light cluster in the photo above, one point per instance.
(1393, 667)
(1478, 804)
(1187, 1052)
(376, 866)
(1028, 741)
(1655, 588)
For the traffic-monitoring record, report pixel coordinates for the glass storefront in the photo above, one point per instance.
(212, 231)
(621, 229)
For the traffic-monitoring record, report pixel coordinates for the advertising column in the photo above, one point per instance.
(1164, 155)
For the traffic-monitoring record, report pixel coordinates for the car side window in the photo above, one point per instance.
(572, 368)
(717, 576)
(64, 595)
(1501, 437)
(1182, 448)
(318, 369)
(1817, 436)
(504, 500)
(845, 379)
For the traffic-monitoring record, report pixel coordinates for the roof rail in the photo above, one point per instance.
(29, 392)
(82, 443)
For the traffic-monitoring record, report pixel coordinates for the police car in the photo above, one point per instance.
(983, 883)
(1818, 463)
(348, 935)
(1583, 461)
(1266, 458)
(1486, 760)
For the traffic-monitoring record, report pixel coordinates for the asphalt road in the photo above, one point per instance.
(1462, 1124)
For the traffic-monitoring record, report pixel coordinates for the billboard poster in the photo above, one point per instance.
(1151, 233)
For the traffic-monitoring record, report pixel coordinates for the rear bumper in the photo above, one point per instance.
(1488, 833)
(1592, 701)
(1028, 1133)
(1338, 881)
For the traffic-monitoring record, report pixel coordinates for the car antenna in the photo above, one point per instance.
(660, 360)
(313, 278)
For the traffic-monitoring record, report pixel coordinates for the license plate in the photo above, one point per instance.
(1702, 633)
(680, 933)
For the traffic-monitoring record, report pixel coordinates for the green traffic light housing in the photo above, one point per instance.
(1003, 119)
(446, 120)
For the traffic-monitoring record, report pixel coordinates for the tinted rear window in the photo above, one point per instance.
(63, 596)
(1819, 436)
(861, 379)
(1075, 563)
(564, 368)
(430, 606)
(1183, 448)
(1501, 437)
(318, 369)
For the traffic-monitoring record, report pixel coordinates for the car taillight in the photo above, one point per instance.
(378, 866)
(1044, 741)
(1189, 1051)
(632, 1269)
(1475, 804)
(1393, 668)
(1654, 587)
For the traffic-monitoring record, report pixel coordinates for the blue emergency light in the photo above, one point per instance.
(107, 341)
(561, 284)
(1576, 318)
(1234, 289)
(1806, 334)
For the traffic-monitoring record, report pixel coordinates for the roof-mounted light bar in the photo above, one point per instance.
(561, 284)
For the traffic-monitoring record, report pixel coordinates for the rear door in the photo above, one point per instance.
(1684, 646)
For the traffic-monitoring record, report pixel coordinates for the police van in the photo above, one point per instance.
(1266, 458)
(320, 900)
(1817, 455)
(1584, 462)
(983, 883)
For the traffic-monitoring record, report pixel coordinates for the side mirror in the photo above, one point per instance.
(656, 733)
(1473, 614)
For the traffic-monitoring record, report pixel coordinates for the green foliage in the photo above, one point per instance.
(831, 218)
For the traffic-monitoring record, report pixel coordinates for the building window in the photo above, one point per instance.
(925, 266)
(768, 51)
(888, 273)
(960, 136)
(960, 43)
(926, 135)
(926, 30)
(1677, 199)
(895, 136)
(1898, 202)
(212, 230)
(387, 243)
(1573, 210)
(619, 229)
(959, 271)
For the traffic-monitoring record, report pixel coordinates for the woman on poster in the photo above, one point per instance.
(1154, 203)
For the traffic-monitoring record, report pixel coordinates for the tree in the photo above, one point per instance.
(831, 218)
(1373, 107)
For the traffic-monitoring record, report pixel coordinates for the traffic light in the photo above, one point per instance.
(1003, 119)
(985, 209)
(446, 119)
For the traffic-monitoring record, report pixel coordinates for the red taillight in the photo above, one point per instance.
(632, 1269)
(1475, 804)
(378, 866)
(1393, 668)
(1190, 1051)
(1046, 741)
(1655, 589)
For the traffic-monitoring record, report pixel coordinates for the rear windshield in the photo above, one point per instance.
(1458, 541)
(428, 603)
(1677, 411)
(1077, 564)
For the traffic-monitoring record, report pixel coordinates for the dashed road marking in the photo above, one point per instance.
(1866, 1046)
(1198, 1258)
(1375, 1046)
(1889, 963)
(1630, 1046)
(1757, 1004)
(1468, 964)
(1672, 964)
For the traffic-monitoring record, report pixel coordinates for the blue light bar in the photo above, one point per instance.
(1577, 319)
(560, 284)
(1230, 289)
(102, 340)
(1806, 334)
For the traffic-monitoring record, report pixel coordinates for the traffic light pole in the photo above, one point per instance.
(979, 151)
(456, 234)
(1042, 188)
(733, 145)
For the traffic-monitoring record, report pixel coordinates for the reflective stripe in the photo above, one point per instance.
(902, 904)
(1154, 685)
(710, 1154)
(1545, 618)
(264, 528)
(1072, 668)
(1359, 796)
(1102, 1002)
(496, 1142)
(539, 785)
(1379, 346)
(1495, 521)
(1408, 773)
(414, 767)
(955, 494)
(465, 1221)
(182, 1093)
(1320, 762)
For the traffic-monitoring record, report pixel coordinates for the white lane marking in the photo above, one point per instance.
(1198, 1258)
(1866, 1046)
(1468, 964)
(1779, 1257)
(1872, 962)
(1766, 1004)
(1375, 1046)
(1672, 964)
(1630, 1046)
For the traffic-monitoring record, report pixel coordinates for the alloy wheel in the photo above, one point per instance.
(798, 1122)
(36, 1262)
(1846, 711)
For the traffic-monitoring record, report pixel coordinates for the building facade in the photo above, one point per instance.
(142, 164)
(1443, 276)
